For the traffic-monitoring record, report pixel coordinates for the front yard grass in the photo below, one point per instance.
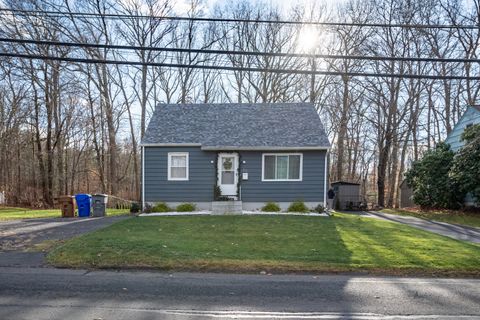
(269, 243)
(15, 213)
(450, 216)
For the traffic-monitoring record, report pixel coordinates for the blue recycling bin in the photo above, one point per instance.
(84, 204)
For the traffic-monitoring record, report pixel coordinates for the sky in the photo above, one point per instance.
(182, 5)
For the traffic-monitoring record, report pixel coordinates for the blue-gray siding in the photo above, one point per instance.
(311, 188)
(454, 138)
(199, 187)
(202, 175)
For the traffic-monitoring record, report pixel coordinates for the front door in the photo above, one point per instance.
(228, 173)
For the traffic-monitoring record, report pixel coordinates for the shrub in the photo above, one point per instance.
(465, 169)
(186, 207)
(271, 207)
(298, 206)
(135, 207)
(429, 178)
(161, 207)
(319, 209)
(217, 193)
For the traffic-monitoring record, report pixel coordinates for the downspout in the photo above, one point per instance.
(239, 176)
(325, 180)
(143, 178)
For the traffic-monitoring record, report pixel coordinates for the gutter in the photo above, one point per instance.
(223, 148)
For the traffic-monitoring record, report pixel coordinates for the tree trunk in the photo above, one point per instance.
(342, 132)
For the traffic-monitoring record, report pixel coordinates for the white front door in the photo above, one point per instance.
(228, 173)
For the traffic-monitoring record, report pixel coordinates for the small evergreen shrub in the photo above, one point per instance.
(217, 193)
(161, 207)
(186, 207)
(319, 209)
(135, 207)
(271, 207)
(298, 206)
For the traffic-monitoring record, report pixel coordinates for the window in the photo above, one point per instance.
(282, 167)
(178, 166)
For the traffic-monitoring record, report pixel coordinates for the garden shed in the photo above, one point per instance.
(347, 196)
(406, 195)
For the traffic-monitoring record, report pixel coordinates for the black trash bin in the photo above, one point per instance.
(99, 205)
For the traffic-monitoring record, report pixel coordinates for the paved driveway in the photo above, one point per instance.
(445, 229)
(18, 236)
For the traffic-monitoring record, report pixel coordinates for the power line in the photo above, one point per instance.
(235, 20)
(249, 69)
(235, 52)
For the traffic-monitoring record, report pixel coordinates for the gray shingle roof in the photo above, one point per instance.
(227, 126)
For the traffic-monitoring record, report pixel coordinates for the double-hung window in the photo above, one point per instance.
(178, 166)
(282, 167)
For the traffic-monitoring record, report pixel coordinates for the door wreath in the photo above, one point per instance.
(227, 164)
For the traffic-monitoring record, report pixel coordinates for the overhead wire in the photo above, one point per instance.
(56, 13)
(231, 68)
(235, 52)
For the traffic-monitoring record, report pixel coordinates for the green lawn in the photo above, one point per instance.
(450, 216)
(12, 213)
(272, 243)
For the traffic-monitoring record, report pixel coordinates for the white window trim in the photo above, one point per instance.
(282, 154)
(170, 154)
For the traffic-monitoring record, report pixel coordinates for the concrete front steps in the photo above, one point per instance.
(224, 207)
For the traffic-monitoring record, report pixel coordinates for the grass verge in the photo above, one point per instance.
(14, 213)
(341, 243)
(450, 216)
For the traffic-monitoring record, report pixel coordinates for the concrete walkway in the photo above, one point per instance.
(455, 231)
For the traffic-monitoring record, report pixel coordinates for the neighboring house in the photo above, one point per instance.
(470, 117)
(254, 153)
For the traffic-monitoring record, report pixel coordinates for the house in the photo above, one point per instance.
(254, 153)
(470, 117)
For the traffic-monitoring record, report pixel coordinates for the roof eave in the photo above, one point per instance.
(263, 148)
(242, 148)
(146, 144)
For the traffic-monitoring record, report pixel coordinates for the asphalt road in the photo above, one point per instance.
(47, 293)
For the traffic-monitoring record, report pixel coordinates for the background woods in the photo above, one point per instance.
(69, 126)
